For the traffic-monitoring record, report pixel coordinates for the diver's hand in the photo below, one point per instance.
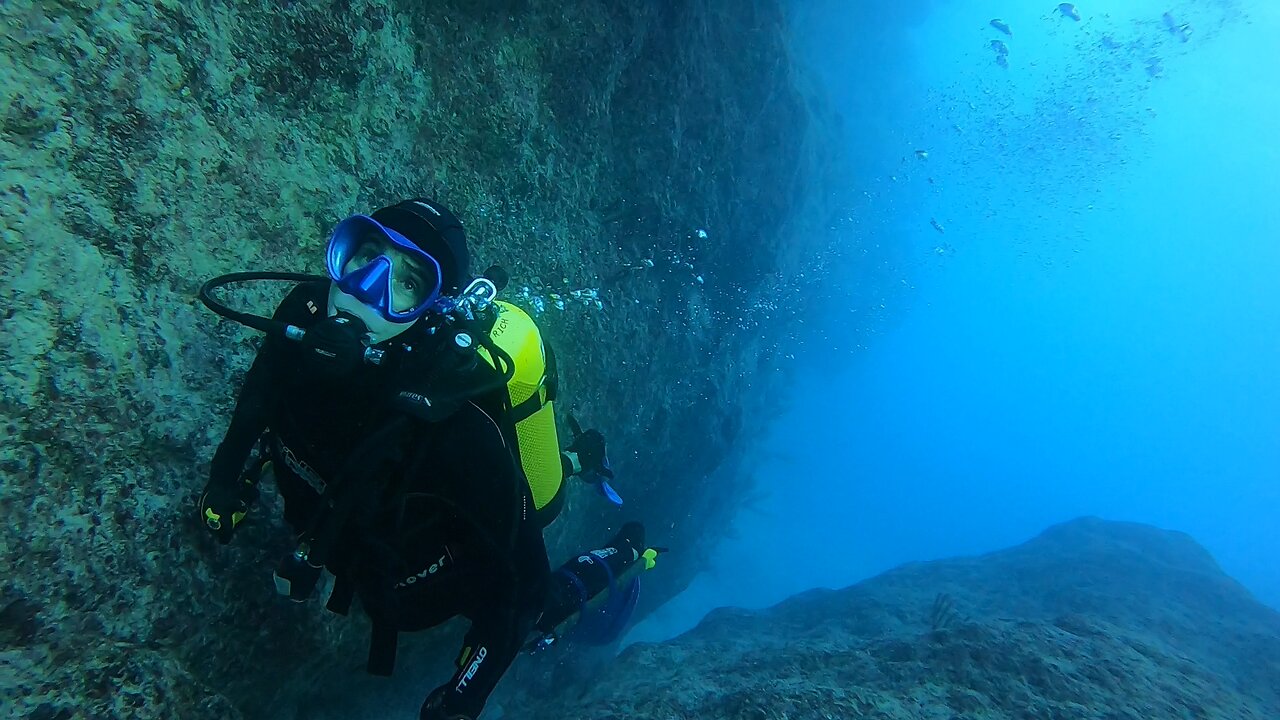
(335, 346)
(223, 506)
(590, 450)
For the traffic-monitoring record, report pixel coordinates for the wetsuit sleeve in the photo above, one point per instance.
(253, 406)
(247, 423)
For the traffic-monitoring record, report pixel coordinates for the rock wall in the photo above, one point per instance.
(655, 157)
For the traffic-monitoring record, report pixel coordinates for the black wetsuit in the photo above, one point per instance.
(449, 528)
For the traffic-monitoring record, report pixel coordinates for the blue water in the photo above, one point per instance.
(1097, 332)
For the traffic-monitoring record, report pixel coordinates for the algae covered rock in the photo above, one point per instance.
(640, 168)
(1092, 619)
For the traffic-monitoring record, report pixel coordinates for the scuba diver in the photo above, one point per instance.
(407, 418)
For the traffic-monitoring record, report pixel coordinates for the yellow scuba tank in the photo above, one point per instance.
(531, 395)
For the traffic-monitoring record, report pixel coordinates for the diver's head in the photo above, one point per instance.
(389, 269)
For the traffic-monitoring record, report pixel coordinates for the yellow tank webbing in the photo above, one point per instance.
(538, 444)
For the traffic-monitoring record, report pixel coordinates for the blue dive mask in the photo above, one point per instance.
(383, 269)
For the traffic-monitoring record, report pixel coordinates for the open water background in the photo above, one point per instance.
(1097, 331)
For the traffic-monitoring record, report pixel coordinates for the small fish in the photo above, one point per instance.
(999, 47)
(937, 225)
(1182, 31)
(1002, 26)
(922, 154)
(1069, 10)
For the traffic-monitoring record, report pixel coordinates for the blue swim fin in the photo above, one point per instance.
(603, 626)
(607, 490)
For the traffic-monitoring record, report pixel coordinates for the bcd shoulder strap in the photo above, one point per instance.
(547, 393)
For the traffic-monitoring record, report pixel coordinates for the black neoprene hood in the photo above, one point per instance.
(432, 227)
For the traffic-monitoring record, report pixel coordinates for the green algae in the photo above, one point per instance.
(145, 147)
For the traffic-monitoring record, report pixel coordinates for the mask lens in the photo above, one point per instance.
(366, 248)
(413, 282)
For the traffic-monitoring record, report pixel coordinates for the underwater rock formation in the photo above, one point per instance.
(656, 154)
(1092, 619)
